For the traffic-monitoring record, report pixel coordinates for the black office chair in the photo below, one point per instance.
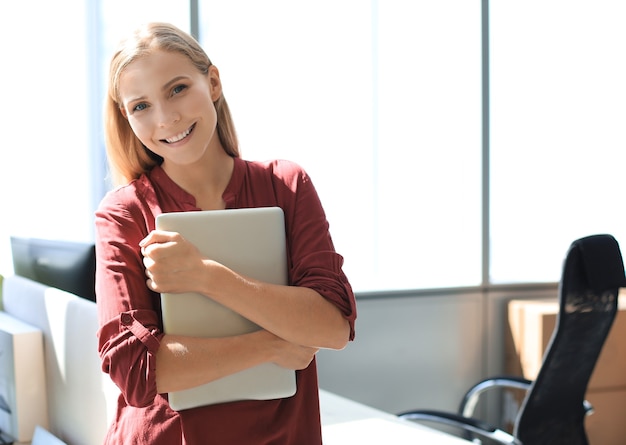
(554, 407)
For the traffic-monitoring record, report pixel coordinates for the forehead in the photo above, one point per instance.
(153, 70)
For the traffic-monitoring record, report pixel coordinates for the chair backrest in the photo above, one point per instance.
(553, 411)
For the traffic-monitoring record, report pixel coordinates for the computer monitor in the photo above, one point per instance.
(67, 265)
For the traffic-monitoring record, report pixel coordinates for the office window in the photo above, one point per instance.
(45, 160)
(52, 173)
(380, 102)
(119, 17)
(558, 146)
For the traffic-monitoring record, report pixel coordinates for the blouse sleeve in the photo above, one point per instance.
(130, 333)
(314, 263)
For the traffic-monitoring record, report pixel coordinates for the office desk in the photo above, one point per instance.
(346, 422)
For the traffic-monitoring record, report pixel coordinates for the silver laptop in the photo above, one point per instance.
(252, 243)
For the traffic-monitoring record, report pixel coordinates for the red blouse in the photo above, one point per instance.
(130, 316)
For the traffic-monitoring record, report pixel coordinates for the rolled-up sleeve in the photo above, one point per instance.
(128, 355)
(130, 329)
(314, 263)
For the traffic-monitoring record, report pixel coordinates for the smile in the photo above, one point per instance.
(179, 137)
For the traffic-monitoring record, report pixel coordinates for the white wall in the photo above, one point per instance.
(422, 351)
(409, 352)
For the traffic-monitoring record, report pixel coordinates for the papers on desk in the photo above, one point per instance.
(378, 431)
(346, 421)
(44, 437)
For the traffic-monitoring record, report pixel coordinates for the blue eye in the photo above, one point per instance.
(178, 89)
(140, 107)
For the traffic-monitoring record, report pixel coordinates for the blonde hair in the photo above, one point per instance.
(128, 157)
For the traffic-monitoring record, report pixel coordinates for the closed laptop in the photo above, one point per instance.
(252, 243)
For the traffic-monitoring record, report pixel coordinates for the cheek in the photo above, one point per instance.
(201, 105)
(212, 113)
(140, 129)
(142, 132)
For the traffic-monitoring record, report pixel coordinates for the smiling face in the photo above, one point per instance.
(169, 105)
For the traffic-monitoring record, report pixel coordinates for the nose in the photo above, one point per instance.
(168, 116)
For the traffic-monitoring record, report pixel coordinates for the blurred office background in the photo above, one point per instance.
(458, 147)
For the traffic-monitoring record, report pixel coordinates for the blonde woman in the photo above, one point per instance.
(172, 146)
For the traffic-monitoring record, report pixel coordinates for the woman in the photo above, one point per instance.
(172, 147)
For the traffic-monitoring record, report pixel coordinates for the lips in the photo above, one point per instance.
(180, 136)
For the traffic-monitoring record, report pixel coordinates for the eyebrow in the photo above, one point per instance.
(173, 81)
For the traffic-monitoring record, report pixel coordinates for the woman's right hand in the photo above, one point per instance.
(172, 263)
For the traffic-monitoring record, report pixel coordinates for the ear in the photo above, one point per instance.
(123, 112)
(215, 84)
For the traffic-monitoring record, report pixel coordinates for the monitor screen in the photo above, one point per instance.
(67, 265)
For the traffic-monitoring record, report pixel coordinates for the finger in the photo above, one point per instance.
(151, 285)
(158, 236)
(148, 262)
(157, 250)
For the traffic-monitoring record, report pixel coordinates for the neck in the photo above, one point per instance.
(205, 180)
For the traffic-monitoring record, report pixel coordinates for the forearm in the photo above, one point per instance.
(296, 314)
(184, 362)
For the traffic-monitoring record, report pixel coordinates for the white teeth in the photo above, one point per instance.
(179, 136)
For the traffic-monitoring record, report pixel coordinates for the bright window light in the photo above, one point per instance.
(557, 131)
(380, 102)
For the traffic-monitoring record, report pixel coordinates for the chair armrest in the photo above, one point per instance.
(468, 404)
(465, 424)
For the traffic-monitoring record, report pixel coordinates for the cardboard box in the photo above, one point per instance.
(606, 425)
(530, 327)
(531, 324)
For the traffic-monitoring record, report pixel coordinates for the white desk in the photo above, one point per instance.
(346, 422)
